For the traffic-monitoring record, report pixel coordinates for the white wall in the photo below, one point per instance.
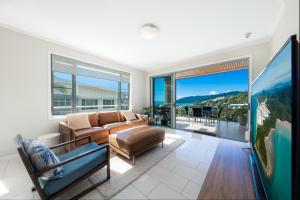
(24, 64)
(259, 54)
(287, 25)
(24, 86)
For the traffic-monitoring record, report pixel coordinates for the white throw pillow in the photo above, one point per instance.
(129, 115)
(78, 121)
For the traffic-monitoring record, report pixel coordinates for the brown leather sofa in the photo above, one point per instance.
(102, 124)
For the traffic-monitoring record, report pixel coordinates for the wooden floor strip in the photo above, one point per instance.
(229, 176)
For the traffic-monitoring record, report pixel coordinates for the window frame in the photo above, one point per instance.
(73, 104)
(86, 101)
(107, 106)
(51, 92)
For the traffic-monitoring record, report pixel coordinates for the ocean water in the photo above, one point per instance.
(254, 105)
(279, 186)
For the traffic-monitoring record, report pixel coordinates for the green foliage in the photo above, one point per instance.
(241, 112)
(279, 104)
(148, 110)
(62, 88)
(229, 113)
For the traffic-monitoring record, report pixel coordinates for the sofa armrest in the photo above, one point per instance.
(67, 134)
(143, 117)
(71, 141)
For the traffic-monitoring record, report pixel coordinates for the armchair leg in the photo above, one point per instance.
(108, 170)
(108, 162)
(78, 196)
(33, 189)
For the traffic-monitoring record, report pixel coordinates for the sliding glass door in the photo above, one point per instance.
(163, 100)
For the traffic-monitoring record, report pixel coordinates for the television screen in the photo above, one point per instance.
(271, 124)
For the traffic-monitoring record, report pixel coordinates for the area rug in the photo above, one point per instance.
(123, 172)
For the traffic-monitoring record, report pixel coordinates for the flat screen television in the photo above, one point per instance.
(275, 124)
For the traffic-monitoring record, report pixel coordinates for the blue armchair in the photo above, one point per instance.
(78, 165)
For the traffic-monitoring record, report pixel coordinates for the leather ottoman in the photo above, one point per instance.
(134, 141)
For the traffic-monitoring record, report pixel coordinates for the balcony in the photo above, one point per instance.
(226, 126)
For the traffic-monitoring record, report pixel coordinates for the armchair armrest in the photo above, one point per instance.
(45, 169)
(71, 141)
(67, 134)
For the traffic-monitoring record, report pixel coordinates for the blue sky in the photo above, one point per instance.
(204, 85)
(212, 84)
(159, 89)
(279, 70)
(108, 84)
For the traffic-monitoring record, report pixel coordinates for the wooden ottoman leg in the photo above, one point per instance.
(162, 144)
(133, 160)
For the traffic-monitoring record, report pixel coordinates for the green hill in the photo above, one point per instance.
(228, 104)
(201, 98)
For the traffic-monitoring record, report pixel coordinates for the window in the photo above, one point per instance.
(82, 87)
(61, 93)
(89, 104)
(108, 103)
(124, 96)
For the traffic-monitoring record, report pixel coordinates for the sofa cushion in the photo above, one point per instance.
(78, 121)
(76, 169)
(93, 118)
(96, 133)
(129, 115)
(122, 117)
(108, 117)
(115, 125)
(118, 126)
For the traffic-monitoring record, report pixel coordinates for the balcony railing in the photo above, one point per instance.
(229, 112)
(62, 110)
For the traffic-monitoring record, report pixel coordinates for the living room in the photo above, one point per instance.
(96, 86)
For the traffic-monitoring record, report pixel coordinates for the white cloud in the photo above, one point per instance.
(212, 92)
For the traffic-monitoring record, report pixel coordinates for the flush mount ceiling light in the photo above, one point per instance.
(248, 35)
(149, 31)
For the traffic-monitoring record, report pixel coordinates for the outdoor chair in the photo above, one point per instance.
(207, 112)
(186, 109)
(217, 116)
(197, 113)
(78, 165)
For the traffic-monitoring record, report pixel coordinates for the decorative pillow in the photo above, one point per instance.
(41, 156)
(129, 115)
(78, 121)
(93, 119)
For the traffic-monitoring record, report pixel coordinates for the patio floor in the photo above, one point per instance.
(224, 129)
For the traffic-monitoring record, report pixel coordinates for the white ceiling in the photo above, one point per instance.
(110, 28)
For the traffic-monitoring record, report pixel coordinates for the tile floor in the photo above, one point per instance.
(223, 129)
(182, 123)
(180, 175)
